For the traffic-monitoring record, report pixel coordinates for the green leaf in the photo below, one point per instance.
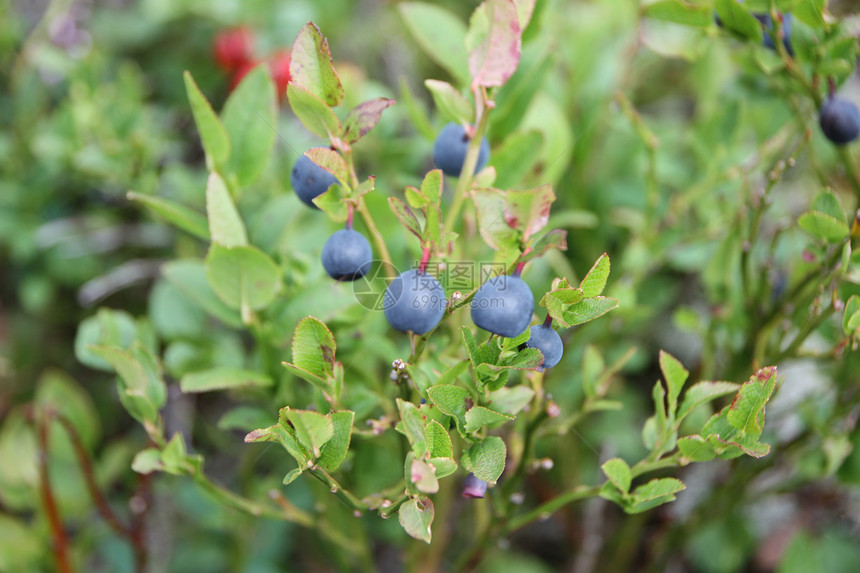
(405, 215)
(811, 13)
(494, 42)
(416, 517)
(313, 430)
(851, 316)
(444, 466)
(478, 416)
(528, 211)
(315, 115)
(225, 224)
(440, 34)
(587, 310)
(554, 239)
(179, 215)
(674, 375)
(412, 426)
(244, 278)
(283, 434)
(174, 456)
(655, 492)
(450, 102)
(438, 440)
(141, 387)
(60, 392)
(618, 472)
(189, 276)
(147, 461)
(323, 384)
(331, 161)
(746, 413)
(680, 12)
(696, 449)
(213, 136)
(115, 328)
(331, 202)
(511, 400)
(364, 117)
(703, 392)
(334, 451)
(486, 459)
(525, 9)
(451, 400)
(292, 475)
(222, 378)
(823, 226)
(250, 117)
(493, 225)
(738, 20)
(311, 66)
(314, 347)
(595, 280)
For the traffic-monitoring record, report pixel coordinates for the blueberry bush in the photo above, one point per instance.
(407, 286)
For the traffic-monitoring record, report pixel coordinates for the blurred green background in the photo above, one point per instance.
(660, 141)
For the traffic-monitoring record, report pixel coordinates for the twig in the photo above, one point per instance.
(55, 522)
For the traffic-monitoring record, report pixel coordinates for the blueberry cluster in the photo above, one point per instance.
(346, 255)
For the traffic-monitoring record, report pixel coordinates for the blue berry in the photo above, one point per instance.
(346, 255)
(767, 22)
(474, 486)
(414, 302)
(309, 180)
(546, 339)
(839, 120)
(503, 305)
(449, 150)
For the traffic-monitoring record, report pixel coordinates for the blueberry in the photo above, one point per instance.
(309, 180)
(449, 150)
(346, 255)
(546, 339)
(839, 120)
(474, 486)
(414, 302)
(503, 305)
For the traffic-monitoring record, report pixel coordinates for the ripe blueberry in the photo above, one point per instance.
(449, 150)
(546, 339)
(346, 255)
(503, 305)
(474, 486)
(414, 301)
(767, 22)
(839, 120)
(309, 180)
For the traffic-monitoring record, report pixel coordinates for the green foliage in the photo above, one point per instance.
(664, 135)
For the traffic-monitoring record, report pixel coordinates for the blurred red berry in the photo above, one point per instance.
(233, 48)
(279, 66)
(240, 72)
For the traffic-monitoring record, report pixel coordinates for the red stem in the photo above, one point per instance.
(425, 258)
(349, 211)
(61, 542)
(548, 321)
(99, 499)
(831, 85)
(519, 270)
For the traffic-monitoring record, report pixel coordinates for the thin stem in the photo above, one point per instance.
(425, 258)
(55, 522)
(95, 492)
(468, 171)
(378, 239)
(547, 508)
(350, 500)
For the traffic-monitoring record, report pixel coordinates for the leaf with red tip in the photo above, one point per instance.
(494, 42)
(311, 66)
(364, 117)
